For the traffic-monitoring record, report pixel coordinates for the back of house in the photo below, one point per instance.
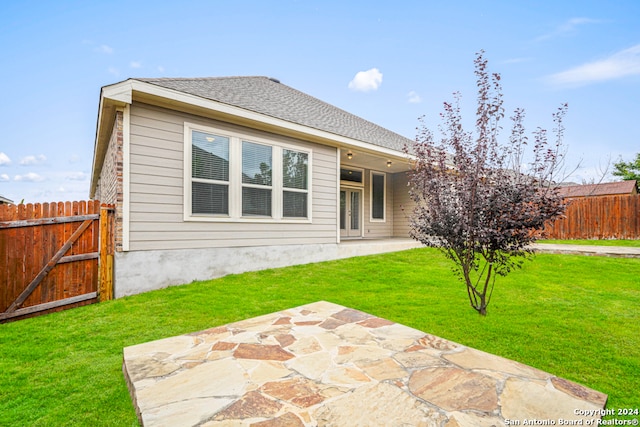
(212, 176)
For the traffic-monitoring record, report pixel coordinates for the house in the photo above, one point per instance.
(5, 201)
(599, 190)
(212, 176)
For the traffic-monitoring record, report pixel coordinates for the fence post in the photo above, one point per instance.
(105, 288)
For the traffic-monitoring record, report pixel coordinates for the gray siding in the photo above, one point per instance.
(156, 191)
(403, 205)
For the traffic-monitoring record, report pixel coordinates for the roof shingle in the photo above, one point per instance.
(269, 97)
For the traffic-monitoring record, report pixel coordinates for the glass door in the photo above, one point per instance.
(350, 213)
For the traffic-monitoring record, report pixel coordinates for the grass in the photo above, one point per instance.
(576, 317)
(627, 243)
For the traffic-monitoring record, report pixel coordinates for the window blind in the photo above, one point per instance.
(256, 202)
(210, 199)
(295, 176)
(294, 204)
(256, 171)
(210, 167)
(209, 156)
(256, 163)
(294, 169)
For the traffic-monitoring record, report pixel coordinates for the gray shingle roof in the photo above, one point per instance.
(269, 97)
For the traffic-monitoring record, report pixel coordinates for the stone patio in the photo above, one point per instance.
(323, 364)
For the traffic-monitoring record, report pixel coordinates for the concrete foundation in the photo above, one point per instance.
(142, 271)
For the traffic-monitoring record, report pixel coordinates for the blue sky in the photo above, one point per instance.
(388, 62)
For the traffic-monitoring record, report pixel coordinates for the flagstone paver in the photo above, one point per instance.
(323, 364)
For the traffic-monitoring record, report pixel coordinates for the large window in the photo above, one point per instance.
(377, 196)
(236, 178)
(256, 179)
(295, 177)
(210, 174)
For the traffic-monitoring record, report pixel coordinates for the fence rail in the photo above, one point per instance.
(49, 256)
(609, 217)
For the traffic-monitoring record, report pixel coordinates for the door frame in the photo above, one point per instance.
(346, 232)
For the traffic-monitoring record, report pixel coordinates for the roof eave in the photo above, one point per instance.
(111, 97)
(231, 113)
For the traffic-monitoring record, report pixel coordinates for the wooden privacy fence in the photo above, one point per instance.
(608, 217)
(54, 256)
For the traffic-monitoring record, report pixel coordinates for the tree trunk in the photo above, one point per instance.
(477, 299)
(482, 310)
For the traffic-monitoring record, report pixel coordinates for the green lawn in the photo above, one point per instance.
(629, 243)
(576, 317)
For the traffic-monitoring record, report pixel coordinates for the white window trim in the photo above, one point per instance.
(384, 199)
(351, 183)
(235, 180)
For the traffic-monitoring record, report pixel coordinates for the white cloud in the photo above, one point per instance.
(33, 160)
(364, 81)
(29, 177)
(105, 49)
(161, 68)
(135, 64)
(567, 27)
(414, 98)
(574, 22)
(77, 176)
(620, 64)
(4, 177)
(74, 158)
(4, 159)
(114, 71)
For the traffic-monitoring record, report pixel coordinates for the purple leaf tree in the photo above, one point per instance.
(479, 200)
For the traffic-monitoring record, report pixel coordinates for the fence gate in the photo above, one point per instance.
(49, 257)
